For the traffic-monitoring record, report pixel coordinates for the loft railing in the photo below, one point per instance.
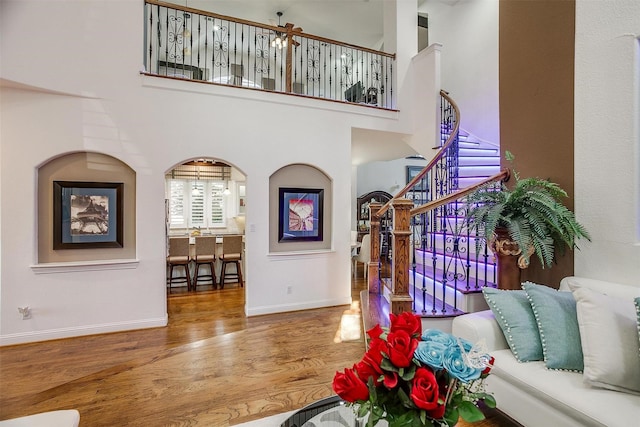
(435, 255)
(182, 42)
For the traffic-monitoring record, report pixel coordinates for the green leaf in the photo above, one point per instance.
(451, 416)
(406, 401)
(490, 401)
(388, 366)
(470, 412)
(408, 374)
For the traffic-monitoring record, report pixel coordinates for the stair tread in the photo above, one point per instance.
(476, 287)
(447, 311)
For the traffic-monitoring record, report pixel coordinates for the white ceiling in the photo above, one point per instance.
(357, 22)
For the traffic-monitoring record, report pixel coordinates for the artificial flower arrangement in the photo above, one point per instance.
(415, 379)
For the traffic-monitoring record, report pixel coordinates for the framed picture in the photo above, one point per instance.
(87, 215)
(300, 214)
(412, 172)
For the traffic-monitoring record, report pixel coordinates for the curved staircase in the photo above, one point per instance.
(447, 270)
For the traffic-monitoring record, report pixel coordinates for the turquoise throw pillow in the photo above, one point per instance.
(557, 319)
(513, 313)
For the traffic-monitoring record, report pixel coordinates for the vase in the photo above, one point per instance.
(507, 253)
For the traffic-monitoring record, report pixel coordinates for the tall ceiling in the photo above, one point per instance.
(356, 22)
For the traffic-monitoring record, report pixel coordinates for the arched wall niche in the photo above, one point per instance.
(85, 167)
(304, 177)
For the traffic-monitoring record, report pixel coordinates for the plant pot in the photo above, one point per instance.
(507, 254)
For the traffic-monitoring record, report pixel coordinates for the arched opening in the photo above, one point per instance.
(71, 184)
(205, 207)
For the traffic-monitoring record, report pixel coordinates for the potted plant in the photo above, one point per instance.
(517, 222)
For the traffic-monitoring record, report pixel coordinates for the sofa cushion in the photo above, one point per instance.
(608, 332)
(608, 288)
(513, 313)
(555, 313)
(563, 390)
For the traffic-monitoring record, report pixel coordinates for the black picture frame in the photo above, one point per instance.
(87, 215)
(412, 172)
(300, 214)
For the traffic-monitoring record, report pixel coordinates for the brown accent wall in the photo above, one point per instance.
(536, 66)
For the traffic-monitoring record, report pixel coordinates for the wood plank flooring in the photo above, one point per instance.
(211, 366)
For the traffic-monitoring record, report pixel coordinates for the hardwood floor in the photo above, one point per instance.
(211, 366)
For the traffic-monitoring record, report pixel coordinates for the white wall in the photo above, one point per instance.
(607, 141)
(389, 176)
(84, 93)
(468, 32)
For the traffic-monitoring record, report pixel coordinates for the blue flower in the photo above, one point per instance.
(431, 353)
(439, 336)
(455, 364)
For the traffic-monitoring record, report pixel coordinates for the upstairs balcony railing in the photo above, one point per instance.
(186, 43)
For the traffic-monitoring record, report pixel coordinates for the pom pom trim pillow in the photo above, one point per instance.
(513, 313)
(555, 313)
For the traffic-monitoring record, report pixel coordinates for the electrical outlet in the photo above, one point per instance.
(25, 311)
(289, 289)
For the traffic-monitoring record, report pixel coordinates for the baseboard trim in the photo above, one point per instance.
(281, 308)
(53, 334)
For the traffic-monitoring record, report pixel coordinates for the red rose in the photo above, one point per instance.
(425, 391)
(438, 412)
(375, 332)
(349, 387)
(365, 371)
(390, 379)
(406, 321)
(374, 355)
(401, 348)
(488, 368)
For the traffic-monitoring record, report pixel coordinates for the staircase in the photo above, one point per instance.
(422, 231)
(446, 267)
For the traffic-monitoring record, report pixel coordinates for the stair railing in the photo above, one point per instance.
(430, 254)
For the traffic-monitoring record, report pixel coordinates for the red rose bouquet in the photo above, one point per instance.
(415, 379)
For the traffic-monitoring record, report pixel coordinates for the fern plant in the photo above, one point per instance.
(532, 213)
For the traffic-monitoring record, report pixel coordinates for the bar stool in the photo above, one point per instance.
(205, 255)
(178, 257)
(231, 254)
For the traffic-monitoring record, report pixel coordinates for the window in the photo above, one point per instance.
(176, 206)
(196, 203)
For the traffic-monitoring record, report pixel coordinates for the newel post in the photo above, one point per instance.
(374, 262)
(400, 298)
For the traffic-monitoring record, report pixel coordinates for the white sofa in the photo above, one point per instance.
(535, 396)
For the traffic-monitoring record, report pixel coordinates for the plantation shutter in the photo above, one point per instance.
(197, 204)
(176, 207)
(217, 203)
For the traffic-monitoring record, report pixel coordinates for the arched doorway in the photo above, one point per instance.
(205, 200)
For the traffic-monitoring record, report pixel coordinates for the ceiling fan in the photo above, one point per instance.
(284, 37)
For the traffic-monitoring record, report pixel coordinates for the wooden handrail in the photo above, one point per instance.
(433, 161)
(504, 176)
(266, 26)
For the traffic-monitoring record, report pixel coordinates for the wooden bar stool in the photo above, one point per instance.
(231, 254)
(178, 257)
(205, 255)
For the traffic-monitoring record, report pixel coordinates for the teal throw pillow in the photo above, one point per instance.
(557, 319)
(513, 313)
